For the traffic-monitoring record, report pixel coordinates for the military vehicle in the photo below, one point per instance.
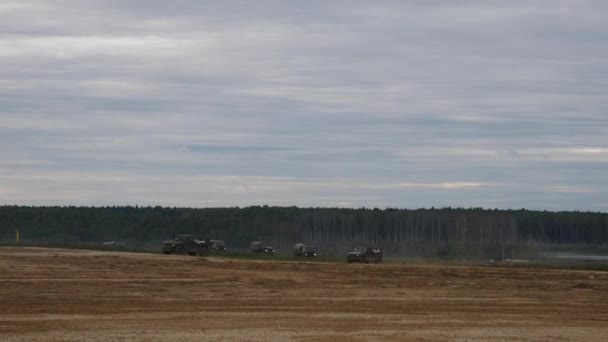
(365, 255)
(260, 248)
(113, 244)
(218, 245)
(302, 250)
(187, 244)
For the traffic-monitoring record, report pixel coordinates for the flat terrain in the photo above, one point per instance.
(71, 295)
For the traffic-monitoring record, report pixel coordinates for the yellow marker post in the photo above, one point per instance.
(17, 236)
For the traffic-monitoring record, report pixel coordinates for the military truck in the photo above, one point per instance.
(187, 244)
(218, 245)
(365, 255)
(302, 250)
(260, 248)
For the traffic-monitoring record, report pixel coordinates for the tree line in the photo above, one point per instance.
(286, 225)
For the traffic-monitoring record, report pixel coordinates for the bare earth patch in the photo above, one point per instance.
(70, 295)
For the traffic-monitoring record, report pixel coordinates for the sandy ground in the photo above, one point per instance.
(69, 295)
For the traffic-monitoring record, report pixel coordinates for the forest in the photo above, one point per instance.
(436, 230)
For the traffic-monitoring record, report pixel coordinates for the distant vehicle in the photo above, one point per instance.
(365, 255)
(218, 245)
(260, 248)
(302, 250)
(187, 244)
(113, 244)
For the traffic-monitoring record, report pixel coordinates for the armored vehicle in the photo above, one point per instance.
(260, 248)
(187, 244)
(218, 245)
(302, 250)
(365, 255)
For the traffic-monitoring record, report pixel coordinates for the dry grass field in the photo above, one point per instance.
(75, 295)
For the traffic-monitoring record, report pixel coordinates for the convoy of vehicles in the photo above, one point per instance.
(196, 245)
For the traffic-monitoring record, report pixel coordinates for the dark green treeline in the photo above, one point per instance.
(286, 225)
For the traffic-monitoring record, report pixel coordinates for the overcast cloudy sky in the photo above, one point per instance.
(310, 103)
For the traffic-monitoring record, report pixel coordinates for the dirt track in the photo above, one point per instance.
(67, 295)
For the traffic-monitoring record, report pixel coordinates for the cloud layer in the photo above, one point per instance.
(319, 103)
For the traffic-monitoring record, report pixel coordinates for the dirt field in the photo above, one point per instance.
(69, 295)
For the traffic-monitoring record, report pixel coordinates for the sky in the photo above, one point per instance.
(401, 104)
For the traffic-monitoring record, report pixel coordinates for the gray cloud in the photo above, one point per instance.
(346, 103)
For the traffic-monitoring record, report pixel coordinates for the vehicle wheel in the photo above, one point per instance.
(166, 252)
(203, 251)
(180, 250)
